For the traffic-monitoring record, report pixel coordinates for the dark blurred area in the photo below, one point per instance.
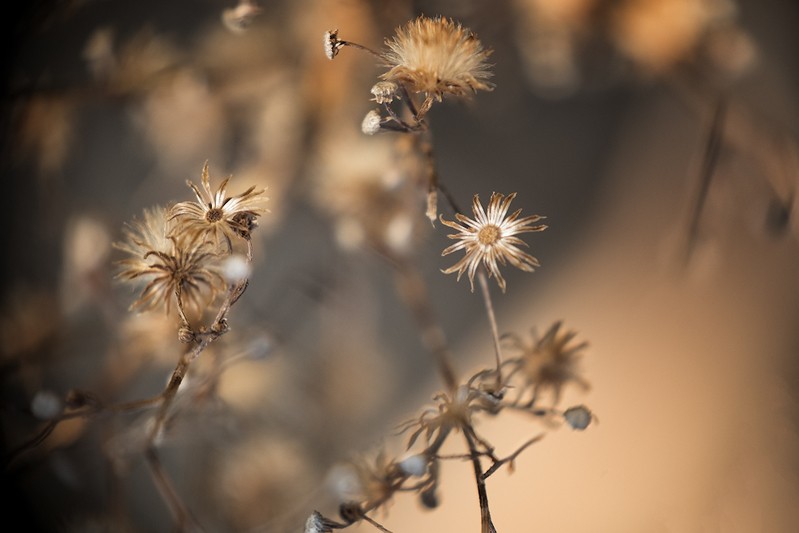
(658, 137)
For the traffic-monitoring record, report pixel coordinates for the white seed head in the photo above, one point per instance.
(331, 44)
(371, 122)
(414, 465)
(46, 405)
(315, 524)
(578, 417)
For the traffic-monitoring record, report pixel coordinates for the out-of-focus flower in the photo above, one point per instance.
(549, 362)
(238, 19)
(490, 239)
(171, 266)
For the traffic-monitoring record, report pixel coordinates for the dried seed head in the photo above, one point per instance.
(217, 215)
(331, 43)
(550, 361)
(384, 92)
(437, 56)
(491, 238)
(371, 122)
(316, 524)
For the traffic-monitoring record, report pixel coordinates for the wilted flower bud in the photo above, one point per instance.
(429, 497)
(578, 417)
(384, 92)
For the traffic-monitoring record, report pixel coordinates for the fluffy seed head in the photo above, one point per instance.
(437, 56)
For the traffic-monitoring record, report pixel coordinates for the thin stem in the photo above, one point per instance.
(710, 157)
(483, 279)
(375, 524)
(361, 47)
(511, 457)
(487, 526)
(181, 312)
(432, 180)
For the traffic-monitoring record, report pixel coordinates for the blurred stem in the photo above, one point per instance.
(432, 179)
(710, 159)
(414, 293)
(181, 514)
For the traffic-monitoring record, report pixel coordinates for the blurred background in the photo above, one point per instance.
(657, 136)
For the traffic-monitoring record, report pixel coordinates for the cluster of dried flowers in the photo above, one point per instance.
(429, 59)
(186, 253)
(192, 261)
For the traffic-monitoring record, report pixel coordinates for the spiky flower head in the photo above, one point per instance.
(171, 266)
(437, 56)
(217, 215)
(550, 361)
(490, 238)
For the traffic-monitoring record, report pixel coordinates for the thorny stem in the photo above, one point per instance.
(487, 526)
(481, 277)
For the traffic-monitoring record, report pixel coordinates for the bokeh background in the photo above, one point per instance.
(676, 262)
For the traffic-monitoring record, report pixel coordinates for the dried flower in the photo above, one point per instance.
(490, 238)
(549, 362)
(437, 56)
(179, 266)
(215, 213)
(332, 44)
